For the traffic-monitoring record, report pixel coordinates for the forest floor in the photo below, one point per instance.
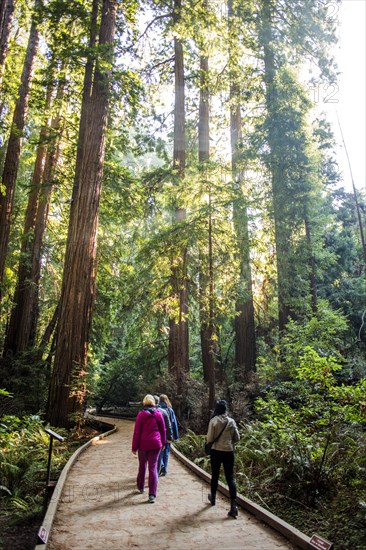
(100, 506)
(19, 534)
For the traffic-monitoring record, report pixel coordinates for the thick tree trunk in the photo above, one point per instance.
(85, 104)
(68, 389)
(14, 145)
(6, 17)
(178, 358)
(245, 340)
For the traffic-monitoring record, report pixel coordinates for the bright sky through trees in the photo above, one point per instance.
(350, 94)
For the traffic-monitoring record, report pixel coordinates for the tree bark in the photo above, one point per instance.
(6, 17)
(14, 145)
(67, 390)
(85, 104)
(178, 356)
(245, 339)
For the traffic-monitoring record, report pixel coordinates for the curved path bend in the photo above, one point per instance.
(100, 507)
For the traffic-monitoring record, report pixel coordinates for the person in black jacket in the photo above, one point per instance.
(223, 432)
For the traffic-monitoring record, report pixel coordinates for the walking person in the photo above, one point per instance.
(149, 437)
(223, 433)
(168, 426)
(165, 405)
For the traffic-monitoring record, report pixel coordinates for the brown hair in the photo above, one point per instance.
(165, 399)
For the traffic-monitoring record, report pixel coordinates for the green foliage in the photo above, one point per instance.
(312, 418)
(23, 463)
(26, 377)
(317, 337)
(192, 445)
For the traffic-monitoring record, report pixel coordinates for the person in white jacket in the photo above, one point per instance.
(223, 433)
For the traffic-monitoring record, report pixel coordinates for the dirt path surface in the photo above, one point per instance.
(100, 507)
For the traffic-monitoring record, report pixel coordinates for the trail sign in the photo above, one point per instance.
(320, 544)
(43, 534)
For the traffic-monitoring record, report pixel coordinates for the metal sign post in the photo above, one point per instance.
(59, 438)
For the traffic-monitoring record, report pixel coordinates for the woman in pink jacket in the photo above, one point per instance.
(149, 437)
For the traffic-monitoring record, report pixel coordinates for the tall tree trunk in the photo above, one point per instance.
(14, 145)
(6, 17)
(85, 104)
(48, 184)
(245, 340)
(67, 389)
(18, 335)
(208, 332)
(277, 166)
(312, 273)
(178, 357)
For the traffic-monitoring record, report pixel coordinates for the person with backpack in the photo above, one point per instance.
(222, 433)
(149, 437)
(165, 405)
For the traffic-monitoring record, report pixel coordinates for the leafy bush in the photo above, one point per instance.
(314, 422)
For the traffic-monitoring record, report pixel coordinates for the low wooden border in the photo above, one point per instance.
(53, 505)
(291, 533)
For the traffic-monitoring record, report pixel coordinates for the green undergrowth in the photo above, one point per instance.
(267, 475)
(24, 447)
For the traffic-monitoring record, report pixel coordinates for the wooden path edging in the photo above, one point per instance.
(53, 505)
(290, 533)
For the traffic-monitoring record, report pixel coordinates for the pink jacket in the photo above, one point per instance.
(149, 432)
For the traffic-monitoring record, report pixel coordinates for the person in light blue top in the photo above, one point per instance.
(165, 404)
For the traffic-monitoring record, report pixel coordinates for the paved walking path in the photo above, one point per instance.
(100, 507)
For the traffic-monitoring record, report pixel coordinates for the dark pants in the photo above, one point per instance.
(227, 459)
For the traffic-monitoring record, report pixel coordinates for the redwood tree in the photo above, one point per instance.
(245, 341)
(178, 358)
(67, 389)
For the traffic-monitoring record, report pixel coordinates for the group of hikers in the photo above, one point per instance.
(156, 427)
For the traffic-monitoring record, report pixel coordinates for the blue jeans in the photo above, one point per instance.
(163, 458)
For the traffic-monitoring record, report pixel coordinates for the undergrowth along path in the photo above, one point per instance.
(100, 507)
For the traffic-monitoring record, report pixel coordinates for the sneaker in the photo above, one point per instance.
(152, 499)
(141, 491)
